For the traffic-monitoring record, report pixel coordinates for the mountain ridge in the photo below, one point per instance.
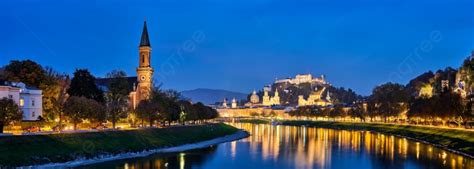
(211, 96)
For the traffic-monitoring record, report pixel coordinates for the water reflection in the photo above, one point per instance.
(189, 159)
(305, 147)
(324, 148)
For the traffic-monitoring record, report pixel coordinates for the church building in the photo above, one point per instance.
(140, 85)
(143, 89)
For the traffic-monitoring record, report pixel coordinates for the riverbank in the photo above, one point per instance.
(81, 162)
(62, 148)
(456, 140)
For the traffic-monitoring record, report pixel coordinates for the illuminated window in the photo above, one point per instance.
(22, 102)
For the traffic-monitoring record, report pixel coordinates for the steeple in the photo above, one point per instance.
(145, 41)
(144, 69)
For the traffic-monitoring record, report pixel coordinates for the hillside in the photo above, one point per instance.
(289, 93)
(211, 96)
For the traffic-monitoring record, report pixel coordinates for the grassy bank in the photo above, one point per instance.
(40, 149)
(455, 139)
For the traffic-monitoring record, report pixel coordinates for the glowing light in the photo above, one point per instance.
(443, 155)
(181, 160)
(22, 102)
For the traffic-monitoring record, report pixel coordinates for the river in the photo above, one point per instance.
(304, 147)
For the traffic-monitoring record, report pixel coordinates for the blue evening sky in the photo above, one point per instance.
(242, 45)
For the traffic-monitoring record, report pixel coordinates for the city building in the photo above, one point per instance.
(267, 104)
(234, 103)
(224, 103)
(254, 99)
(29, 99)
(315, 98)
(270, 101)
(9, 91)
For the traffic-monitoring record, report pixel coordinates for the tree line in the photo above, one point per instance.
(79, 99)
(391, 102)
(443, 97)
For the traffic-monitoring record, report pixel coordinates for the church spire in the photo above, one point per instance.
(145, 41)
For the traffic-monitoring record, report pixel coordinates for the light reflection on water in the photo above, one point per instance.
(305, 147)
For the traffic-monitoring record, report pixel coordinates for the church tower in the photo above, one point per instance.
(276, 98)
(266, 98)
(144, 70)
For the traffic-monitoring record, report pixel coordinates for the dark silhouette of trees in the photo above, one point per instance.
(423, 107)
(83, 84)
(117, 95)
(147, 110)
(358, 111)
(388, 100)
(337, 111)
(26, 71)
(446, 106)
(78, 109)
(414, 86)
(448, 74)
(168, 107)
(308, 111)
(190, 113)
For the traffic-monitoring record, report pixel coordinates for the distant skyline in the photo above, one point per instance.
(244, 45)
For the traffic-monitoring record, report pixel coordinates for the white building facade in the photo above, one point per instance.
(30, 100)
(10, 92)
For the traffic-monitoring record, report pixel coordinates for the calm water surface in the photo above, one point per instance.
(304, 147)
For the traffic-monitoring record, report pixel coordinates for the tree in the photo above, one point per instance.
(448, 74)
(341, 95)
(96, 112)
(147, 110)
(337, 111)
(167, 104)
(388, 100)
(26, 71)
(51, 82)
(469, 115)
(189, 111)
(466, 72)
(210, 113)
(358, 111)
(200, 110)
(308, 111)
(116, 96)
(78, 109)
(9, 112)
(83, 84)
(54, 94)
(415, 85)
(450, 106)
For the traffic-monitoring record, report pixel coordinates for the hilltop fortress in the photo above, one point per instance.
(283, 94)
(315, 88)
(304, 78)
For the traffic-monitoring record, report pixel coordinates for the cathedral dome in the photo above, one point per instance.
(254, 98)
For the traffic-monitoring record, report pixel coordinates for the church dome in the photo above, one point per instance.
(254, 98)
